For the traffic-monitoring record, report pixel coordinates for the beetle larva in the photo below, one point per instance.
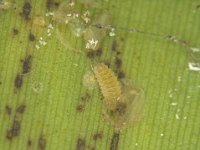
(123, 100)
(109, 85)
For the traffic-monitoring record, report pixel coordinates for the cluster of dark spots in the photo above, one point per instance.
(94, 53)
(99, 26)
(114, 141)
(8, 110)
(118, 63)
(27, 64)
(26, 10)
(107, 63)
(15, 31)
(114, 45)
(120, 109)
(85, 97)
(80, 144)
(29, 143)
(21, 108)
(97, 136)
(18, 81)
(80, 108)
(31, 37)
(14, 130)
(42, 143)
(51, 4)
(120, 75)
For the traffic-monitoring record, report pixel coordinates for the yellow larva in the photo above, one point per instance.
(123, 100)
(109, 85)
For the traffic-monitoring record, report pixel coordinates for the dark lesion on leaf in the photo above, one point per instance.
(80, 144)
(97, 136)
(120, 74)
(21, 109)
(31, 37)
(26, 10)
(80, 108)
(29, 143)
(15, 31)
(42, 143)
(8, 110)
(50, 4)
(114, 141)
(18, 81)
(27, 64)
(92, 54)
(14, 130)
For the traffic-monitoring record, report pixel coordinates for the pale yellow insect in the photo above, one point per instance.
(123, 101)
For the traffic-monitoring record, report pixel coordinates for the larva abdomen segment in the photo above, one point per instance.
(109, 85)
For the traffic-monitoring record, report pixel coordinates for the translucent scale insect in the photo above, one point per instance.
(123, 101)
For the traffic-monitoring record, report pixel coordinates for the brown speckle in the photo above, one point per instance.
(114, 141)
(118, 62)
(80, 145)
(97, 136)
(8, 110)
(21, 109)
(15, 31)
(27, 64)
(114, 46)
(120, 109)
(31, 37)
(14, 131)
(92, 53)
(80, 108)
(26, 10)
(29, 142)
(121, 75)
(198, 6)
(42, 143)
(0, 82)
(51, 4)
(18, 81)
(85, 97)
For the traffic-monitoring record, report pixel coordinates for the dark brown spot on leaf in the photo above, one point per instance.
(21, 109)
(31, 37)
(42, 143)
(120, 109)
(97, 136)
(27, 64)
(50, 4)
(29, 142)
(80, 145)
(14, 131)
(118, 62)
(26, 10)
(114, 46)
(94, 53)
(18, 81)
(85, 97)
(15, 31)
(121, 75)
(80, 108)
(8, 110)
(198, 6)
(114, 142)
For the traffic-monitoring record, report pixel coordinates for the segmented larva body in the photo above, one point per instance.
(109, 85)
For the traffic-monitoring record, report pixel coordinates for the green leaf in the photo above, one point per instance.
(43, 102)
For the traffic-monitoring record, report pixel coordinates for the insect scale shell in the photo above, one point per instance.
(109, 85)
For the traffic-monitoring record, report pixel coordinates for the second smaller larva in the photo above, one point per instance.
(122, 99)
